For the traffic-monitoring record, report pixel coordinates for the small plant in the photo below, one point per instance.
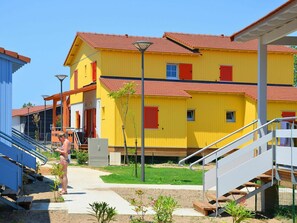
(164, 207)
(102, 212)
(140, 207)
(82, 157)
(57, 171)
(238, 212)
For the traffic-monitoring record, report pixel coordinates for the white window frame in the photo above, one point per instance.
(177, 71)
(191, 119)
(233, 118)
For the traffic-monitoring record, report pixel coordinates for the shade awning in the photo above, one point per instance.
(67, 93)
(275, 25)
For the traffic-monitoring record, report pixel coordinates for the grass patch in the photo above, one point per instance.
(153, 175)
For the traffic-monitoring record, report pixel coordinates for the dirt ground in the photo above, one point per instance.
(41, 192)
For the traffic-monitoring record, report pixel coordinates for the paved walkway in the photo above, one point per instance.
(85, 186)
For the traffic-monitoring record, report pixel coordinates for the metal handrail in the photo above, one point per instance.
(24, 147)
(181, 162)
(252, 132)
(21, 135)
(76, 138)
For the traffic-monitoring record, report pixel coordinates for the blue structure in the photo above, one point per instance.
(16, 153)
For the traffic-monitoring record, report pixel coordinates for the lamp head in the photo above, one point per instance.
(61, 77)
(142, 45)
(44, 96)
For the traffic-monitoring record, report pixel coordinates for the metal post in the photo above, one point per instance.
(61, 77)
(44, 123)
(28, 125)
(61, 111)
(142, 118)
(142, 47)
(293, 206)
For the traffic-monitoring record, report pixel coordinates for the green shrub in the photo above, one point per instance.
(140, 207)
(103, 212)
(164, 207)
(82, 157)
(238, 212)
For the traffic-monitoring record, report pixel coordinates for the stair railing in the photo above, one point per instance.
(33, 142)
(23, 147)
(260, 143)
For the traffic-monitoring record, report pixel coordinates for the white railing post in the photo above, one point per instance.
(217, 186)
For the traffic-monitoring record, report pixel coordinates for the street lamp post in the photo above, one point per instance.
(28, 126)
(142, 47)
(61, 77)
(44, 119)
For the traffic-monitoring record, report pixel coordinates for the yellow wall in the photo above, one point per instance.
(108, 117)
(205, 67)
(210, 122)
(82, 62)
(172, 130)
(128, 64)
(244, 64)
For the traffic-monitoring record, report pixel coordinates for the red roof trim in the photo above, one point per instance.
(262, 19)
(15, 55)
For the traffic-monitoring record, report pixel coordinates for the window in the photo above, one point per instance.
(191, 115)
(151, 117)
(75, 79)
(230, 116)
(94, 71)
(226, 73)
(172, 71)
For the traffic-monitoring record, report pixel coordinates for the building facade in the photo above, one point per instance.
(198, 88)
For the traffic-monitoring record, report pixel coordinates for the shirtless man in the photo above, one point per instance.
(64, 151)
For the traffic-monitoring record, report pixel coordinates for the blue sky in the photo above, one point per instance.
(45, 30)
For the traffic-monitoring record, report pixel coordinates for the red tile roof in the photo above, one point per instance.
(183, 89)
(32, 110)
(15, 55)
(197, 41)
(124, 42)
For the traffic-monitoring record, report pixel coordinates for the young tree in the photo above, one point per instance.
(35, 120)
(29, 104)
(123, 96)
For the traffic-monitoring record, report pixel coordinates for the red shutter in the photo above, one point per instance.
(289, 114)
(226, 73)
(75, 79)
(151, 117)
(185, 71)
(94, 71)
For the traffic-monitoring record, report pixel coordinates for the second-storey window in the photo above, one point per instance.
(172, 71)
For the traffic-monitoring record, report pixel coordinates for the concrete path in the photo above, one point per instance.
(85, 187)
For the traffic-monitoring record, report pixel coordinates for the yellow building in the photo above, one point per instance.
(198, 88)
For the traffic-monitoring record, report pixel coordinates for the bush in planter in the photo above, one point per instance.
(82, 157)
